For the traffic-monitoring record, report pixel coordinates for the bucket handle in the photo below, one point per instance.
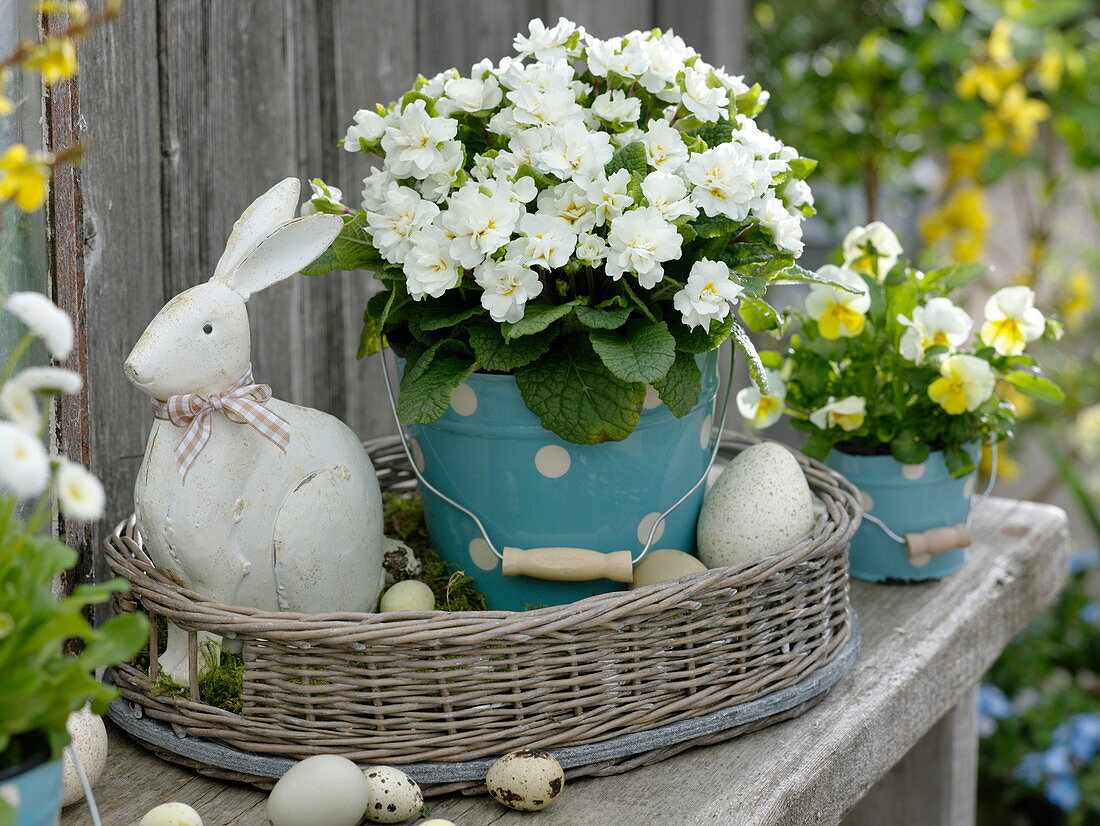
(560, 564)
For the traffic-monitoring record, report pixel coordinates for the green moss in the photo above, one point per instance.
(220, 680)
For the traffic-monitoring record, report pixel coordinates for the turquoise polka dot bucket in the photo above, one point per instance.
(532, 490)
(38, 791)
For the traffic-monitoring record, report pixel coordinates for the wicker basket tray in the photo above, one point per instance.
(454, 688)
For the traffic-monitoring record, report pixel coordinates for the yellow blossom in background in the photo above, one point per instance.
(1079, 298)
(1008, 469)
(77, 10)
(964, 161)
(961, 221)
(999, 46)
(1049, 68)
(1015, 120)
(23, 177)
(7, 105)
(1025, 406)
(987, 81)
(55, 58)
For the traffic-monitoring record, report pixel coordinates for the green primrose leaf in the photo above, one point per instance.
(536, 318)
(758, 315)
(498, 354)
(795, 274)
(756, 367)
(631, 157)
(640, 351)
(602, 318)
(680, 387)
(426, 387)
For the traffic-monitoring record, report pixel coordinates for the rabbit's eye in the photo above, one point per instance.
(206, 328)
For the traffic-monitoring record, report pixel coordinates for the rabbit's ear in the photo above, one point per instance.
(284, 252)
(272, 209)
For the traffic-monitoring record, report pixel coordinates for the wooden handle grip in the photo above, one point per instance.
(921, 546)
(567, 564)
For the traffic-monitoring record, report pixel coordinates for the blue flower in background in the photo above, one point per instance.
(1062, 791)
(1080, 736)
(1030, 770)
(1090, 613)
(1084, 560)
(993, 705)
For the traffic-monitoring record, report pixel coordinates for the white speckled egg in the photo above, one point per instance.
(527, 780)
(436, 821)
(323, 790)
(407, 595)
(399, 561)
(664, 565)
(172, 814)
(394, 796)
(760, 504)
(90, 744)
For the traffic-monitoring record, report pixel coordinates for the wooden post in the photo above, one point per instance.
(936, 783)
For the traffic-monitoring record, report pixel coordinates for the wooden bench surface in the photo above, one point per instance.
(924, 648)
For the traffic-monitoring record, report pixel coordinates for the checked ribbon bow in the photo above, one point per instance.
(242, 403)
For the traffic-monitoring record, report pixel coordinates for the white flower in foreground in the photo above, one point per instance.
(45, 320)
(784, 225)
(607, 56)
(937, 323)
(664, 146)
(508, 287)
(569, 202)
(548, 43)
(79, 493)
(727, 180)
(467, 94)
(706, 102)
(412, 142)
(838, 313)
(797, 193)
(591, 249)
(665, 62)
(572, 150)
(436, 186)
(708, 295)
(761, 410)
(965, 382)
(616, 107)
(847, 413)
(330, 196)
(609, 196)
(1011, 320)
(430, 269)
(548, 240)
(668, 194)
(375, 187)
(641, 241)
(368, 125)
(541, 94)
(480, 224)
(872, 250)
(24, 465)
(402, 213)
(18, 404)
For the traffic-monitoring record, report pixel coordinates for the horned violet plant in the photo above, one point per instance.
(586, 215)
(895, 366)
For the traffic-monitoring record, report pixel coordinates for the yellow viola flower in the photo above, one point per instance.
(24, 177)
(965, 382)
(55, 58)
(847, 413)
(1011, 320)
(838, 313)
(761, 410)
(872, 250)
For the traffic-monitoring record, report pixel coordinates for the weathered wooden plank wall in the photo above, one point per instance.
(191, 108)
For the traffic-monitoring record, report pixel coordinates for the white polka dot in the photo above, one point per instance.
(646, 525)
(968, 488)
(652, 400)
(482, 554)
(464, 400)
(704, 434)
(553, 461)
(868, 502)
(913, 472)
(418, 454)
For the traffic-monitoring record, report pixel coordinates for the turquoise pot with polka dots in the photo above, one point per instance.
(533, 490)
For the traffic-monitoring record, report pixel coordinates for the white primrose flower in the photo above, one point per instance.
(331, 196)
(467, 94)
(627, 59)
(761, 410)
(49, 380)
(708, 295)
(939, 322)
(664, 62)
(763, 144)
(433, 87)
(627, 136)
(541, 94)
(480, 224)
(429, 268)
(574, 151)
(609, 195)
(569, 202)
(375, 186)
(734, 83)
(640, 241)
(847, 413)
(503, 122)
(437, 185)
(412, 142)
(520, 191)
(525, 147)
(1011, 320)
(508, 286)
(547, 241)
(45, 320)
(668, 194)
(591, 249)
(615, 107)
(664, 146)
(965, 383)
(368, 125)
(797, 193)
(872, 250)
(402, 213)
(79, 493)
(18, 405)
(548, 43)
(24, 464)
(784, 225)
(727, 180)
(706, 102)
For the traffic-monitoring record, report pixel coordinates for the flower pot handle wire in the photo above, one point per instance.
(717, 442)
(89, 798)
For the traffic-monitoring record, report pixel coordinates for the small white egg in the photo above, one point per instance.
(90, 744)
(323, 790)
(526, 780)
(664, 565)
(394, 796)
(399, 561)
(407, 595)
(172, 814)
(761, 504)
(436, 821)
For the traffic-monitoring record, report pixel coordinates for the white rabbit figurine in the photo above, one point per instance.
(245, 499)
